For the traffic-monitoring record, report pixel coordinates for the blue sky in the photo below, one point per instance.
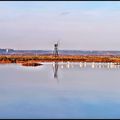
(78, 25)
(65, 4)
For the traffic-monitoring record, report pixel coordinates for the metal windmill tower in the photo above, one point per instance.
(56, 49)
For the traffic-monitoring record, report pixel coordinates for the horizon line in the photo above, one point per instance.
(60, 49)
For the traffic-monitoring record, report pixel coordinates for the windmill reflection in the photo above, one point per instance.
(81, 65)
(55, 70)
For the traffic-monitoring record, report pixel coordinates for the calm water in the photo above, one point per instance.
(60, 90)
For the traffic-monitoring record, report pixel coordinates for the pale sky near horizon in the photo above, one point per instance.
(79, 25)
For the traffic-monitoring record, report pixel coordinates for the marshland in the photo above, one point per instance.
(61, 58)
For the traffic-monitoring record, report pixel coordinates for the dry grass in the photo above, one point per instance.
(51, 58)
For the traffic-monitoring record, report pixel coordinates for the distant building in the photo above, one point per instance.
(8, 50)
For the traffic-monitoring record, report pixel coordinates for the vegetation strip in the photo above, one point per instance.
(61, 58)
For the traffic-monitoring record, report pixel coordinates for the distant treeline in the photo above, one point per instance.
(61, 52)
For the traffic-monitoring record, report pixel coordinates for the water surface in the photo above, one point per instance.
(60, 90)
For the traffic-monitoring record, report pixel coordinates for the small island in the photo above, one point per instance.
(32, 64)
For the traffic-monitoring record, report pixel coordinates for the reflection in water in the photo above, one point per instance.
(93, 65)
(55, 70)
(85, 91)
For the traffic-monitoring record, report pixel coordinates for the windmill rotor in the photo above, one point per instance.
(58, 42)
(56, 45)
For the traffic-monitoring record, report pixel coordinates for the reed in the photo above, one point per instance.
(60, 58)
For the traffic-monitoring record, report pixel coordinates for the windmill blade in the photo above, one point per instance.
(58, 42)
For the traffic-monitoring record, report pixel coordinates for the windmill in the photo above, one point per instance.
(56, 48)
(55, 53)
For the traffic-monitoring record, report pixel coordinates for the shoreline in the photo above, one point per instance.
(61, 58)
